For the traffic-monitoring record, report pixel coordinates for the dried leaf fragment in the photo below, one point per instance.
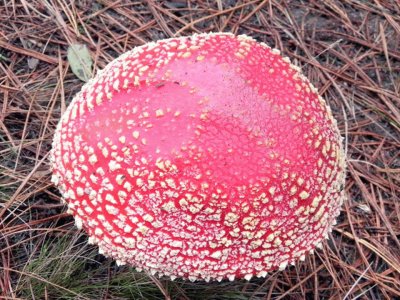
(80, 61)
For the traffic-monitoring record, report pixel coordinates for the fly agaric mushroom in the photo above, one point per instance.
(202, 157)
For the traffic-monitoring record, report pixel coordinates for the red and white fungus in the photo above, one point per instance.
(201, 157)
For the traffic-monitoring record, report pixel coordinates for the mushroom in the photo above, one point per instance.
(201, 157)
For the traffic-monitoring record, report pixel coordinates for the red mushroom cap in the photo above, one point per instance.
(201, 157)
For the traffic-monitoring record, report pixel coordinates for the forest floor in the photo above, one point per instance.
(350, 50)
